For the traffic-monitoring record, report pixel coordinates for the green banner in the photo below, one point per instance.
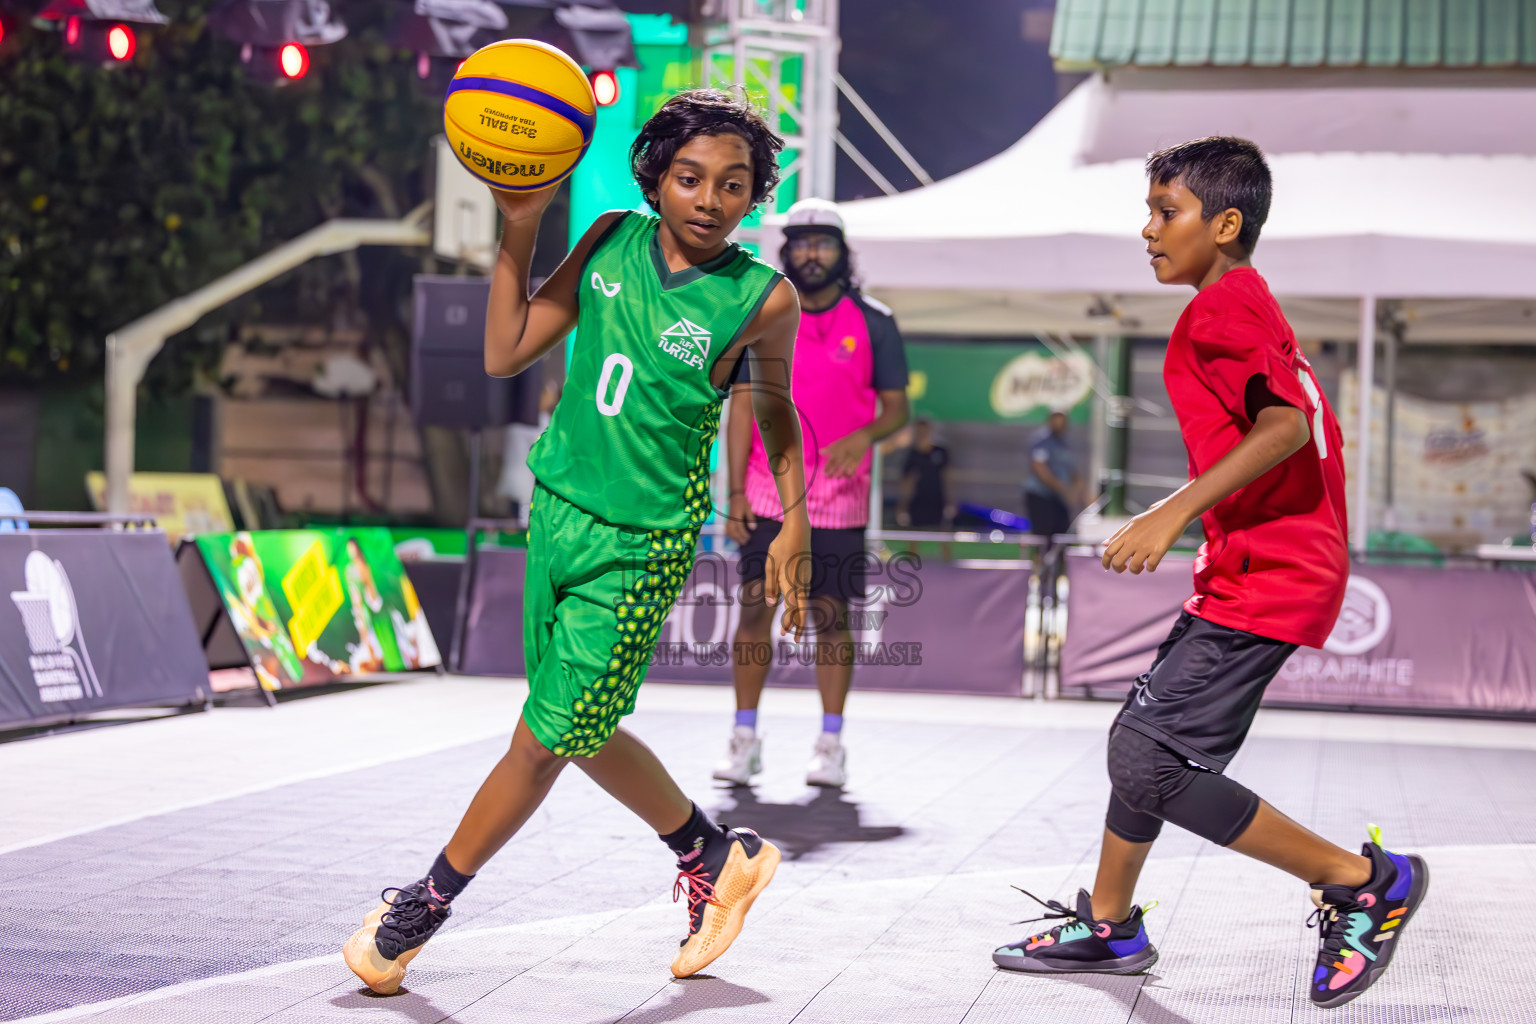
(972, 382)
(312, 606)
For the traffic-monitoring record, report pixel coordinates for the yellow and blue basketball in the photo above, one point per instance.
(519, 115)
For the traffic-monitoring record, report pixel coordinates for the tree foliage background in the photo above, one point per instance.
(126, 187)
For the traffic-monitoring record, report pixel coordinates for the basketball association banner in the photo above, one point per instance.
(1408, 638)
(312, 606)
(926, 626)
(93, 620)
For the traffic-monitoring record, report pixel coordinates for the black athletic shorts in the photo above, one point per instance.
(1203, 690)
(1047, 514)
(838, 559)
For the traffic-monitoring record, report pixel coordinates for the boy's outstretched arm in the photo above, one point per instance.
(1278, 432)
(789, 554)
(519, 330)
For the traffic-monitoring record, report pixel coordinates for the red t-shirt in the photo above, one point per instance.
(1276, 559)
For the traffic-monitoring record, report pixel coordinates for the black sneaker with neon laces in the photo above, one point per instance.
(1080, 944)
(394, 933)
(1360, 927)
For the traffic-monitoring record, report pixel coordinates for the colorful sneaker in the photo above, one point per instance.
(829, 762)
(718, 899)
(1081, 944)
(393, 934)
(743, 759)
(1360, 926)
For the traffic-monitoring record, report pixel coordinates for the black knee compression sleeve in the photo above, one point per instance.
(1150, 779)
(1132, 826)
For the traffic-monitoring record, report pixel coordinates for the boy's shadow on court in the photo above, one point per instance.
(701, 992)
(802, 828)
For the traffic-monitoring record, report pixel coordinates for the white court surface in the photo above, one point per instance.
(207, 868)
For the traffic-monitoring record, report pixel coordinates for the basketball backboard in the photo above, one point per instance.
(464, 215)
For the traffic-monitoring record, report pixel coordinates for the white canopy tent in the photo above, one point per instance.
(1407, 186)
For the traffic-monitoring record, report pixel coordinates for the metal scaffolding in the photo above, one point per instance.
(785, 53)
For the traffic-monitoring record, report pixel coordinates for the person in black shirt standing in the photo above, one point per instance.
(925, 488)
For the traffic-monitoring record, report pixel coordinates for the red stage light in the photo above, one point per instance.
(72, 31)
(294, 60)
(605, 87)
(121, 42)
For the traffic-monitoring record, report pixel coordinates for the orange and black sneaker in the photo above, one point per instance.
(720, 896)
(394, 933)
(1361, 928)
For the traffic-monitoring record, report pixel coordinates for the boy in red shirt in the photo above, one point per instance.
(1267, 483)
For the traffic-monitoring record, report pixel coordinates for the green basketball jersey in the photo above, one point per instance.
(629, 441)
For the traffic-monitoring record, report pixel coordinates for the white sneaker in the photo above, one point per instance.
(743, 760)
(829, 764)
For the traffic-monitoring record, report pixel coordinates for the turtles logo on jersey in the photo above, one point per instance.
(687, 341)
(607, 289)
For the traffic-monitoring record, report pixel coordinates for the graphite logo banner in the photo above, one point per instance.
(1408, 638)
(93, 620)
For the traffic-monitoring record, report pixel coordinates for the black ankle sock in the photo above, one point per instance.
(699, 836)
(445, 880)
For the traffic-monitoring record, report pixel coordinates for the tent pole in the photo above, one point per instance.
(1389, 342)
(1098, 432)
(1365, 372)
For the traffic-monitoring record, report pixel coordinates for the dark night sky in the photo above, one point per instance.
(956, 80)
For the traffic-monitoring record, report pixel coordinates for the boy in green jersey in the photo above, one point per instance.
(665, 309)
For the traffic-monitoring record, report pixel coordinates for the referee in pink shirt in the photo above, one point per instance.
(850, 387)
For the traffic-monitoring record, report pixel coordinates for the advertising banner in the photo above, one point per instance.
(311, 606)
(1408, 638)
(931, 626)
(183, 504)
(996, 382)
(92, 620)
(1460, 470)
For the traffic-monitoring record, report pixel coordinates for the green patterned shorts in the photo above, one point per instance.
(594, 601)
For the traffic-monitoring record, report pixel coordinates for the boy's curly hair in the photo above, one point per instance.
(697, 112)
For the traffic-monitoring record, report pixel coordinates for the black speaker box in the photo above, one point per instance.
(449, 385)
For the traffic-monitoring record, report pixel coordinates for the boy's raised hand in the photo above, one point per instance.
(1144, 540)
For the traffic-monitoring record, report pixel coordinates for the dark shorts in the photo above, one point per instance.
(838, 559)
(1203, 689)
(1047, 514)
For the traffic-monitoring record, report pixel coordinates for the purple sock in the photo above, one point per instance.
(832, 724)
(747, 717)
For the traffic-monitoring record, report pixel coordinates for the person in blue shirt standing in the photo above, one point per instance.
(1054, 486)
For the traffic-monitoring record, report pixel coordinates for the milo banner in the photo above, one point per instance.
(311, 606)
(92, 620)
(1408, 638)
(924, 626)
(996, 382)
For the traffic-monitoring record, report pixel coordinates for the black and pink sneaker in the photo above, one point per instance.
(1360, 927)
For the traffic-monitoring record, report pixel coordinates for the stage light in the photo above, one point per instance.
(121, 43)
(605, 87)
(72, 31)
(294, 60)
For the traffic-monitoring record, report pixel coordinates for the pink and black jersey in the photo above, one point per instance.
(844, 356)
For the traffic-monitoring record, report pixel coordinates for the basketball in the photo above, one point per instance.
(519, 115)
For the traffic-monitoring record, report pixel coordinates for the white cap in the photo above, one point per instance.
(813, 213)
